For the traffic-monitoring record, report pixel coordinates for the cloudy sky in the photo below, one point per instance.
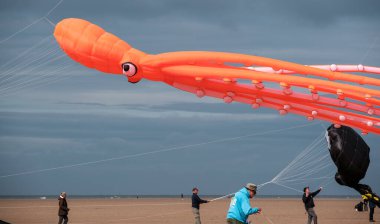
(64, 127)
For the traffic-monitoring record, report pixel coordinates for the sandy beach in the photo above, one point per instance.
(172, 210)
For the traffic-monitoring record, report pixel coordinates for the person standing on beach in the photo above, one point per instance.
(240, 207)
(365, 202)
(195, 202)
(308, 200)
(63, 210)
(371, 210)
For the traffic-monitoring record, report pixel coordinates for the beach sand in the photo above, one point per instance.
(172, 210)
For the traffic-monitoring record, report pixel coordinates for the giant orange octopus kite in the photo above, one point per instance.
(347, 99)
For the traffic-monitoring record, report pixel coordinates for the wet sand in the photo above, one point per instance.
(171, 210)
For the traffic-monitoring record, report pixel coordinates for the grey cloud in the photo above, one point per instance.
(92, 116)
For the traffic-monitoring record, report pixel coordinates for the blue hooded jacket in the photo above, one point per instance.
(240, 208)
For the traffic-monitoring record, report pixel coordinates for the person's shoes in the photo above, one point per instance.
(372, 220)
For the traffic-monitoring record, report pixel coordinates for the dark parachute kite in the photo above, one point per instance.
(350, 154)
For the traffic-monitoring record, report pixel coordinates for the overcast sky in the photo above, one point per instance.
(90, 116)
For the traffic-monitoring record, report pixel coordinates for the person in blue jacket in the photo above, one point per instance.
(240, 208)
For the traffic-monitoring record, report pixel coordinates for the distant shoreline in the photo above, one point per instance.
(164, 196)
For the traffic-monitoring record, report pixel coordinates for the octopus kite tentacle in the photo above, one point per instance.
(325, 92)
(332, 67)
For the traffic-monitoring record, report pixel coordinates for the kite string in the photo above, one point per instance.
(8, 82)
(291, 188)
(157, 151)
(21, 30)
(267, 218)
(306, 174)
(30, 63)
(232, 194)
(306, 169)
(29, 60)
(27, 51)
(51, 10)
(8, 76)
(304, 166)
(27, 78)
(297, 159)
(293, 166)
(41, 80)
(33, 23)
(16, 74)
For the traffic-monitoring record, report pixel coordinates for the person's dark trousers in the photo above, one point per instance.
(234, 221)
(311, 216)
(63, 219)
(371, 211)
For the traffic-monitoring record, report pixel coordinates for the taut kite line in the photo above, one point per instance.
(347, 99)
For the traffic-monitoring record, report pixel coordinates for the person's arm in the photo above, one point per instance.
(316, 192)
(204, 201)
(246, 207)
(305, 198)
(61, 206)
(201, 201)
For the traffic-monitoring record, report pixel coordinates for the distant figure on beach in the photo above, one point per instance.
(182, 196)
(240, 208)
(308, 200)
(365, 202)
(359, 207)
(371, 210)
(63, 210)
(195, 202)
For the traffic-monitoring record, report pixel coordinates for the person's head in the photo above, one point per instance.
(63, 194)
(195, 190)
(252, 188)
(306, 190)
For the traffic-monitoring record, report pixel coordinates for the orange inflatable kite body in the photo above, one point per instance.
(347, 99)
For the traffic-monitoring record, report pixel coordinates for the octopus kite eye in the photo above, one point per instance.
(129, 69)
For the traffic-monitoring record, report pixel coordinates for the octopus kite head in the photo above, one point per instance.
(93, 47)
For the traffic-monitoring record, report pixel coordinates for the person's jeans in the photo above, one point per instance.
(312, 216)
(63, 219)
(234, 221)
(371, 211)
(197, 216)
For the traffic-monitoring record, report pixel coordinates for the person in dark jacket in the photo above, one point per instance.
(195, 202)
(308, 200)
(63, 210)
(371, 210)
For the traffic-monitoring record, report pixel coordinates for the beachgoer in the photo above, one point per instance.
(359, 207)
(371, 210)
(195, 202)
(63, 210)
(308, 200)
(365, 202)
(240, 207)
